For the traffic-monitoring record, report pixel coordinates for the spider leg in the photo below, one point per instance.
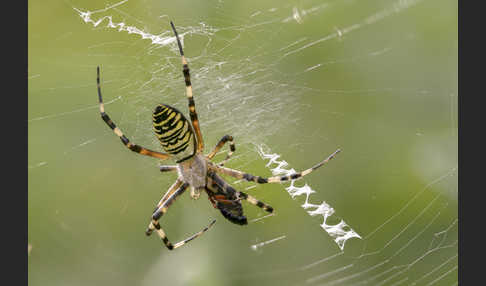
(176, 187)
(220, 144)
(164, 168)
(254, 201)
(240, 195)
(181, 243)
(277, 179)
(192, 104)
(134, 147)
(162, 208)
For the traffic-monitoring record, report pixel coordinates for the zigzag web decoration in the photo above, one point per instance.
(340, 232)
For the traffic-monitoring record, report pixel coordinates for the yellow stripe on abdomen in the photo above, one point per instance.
(172, 129)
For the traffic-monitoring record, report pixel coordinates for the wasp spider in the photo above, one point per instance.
(182, 141)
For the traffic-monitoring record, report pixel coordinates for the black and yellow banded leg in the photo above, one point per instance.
(171, 246)
(254, 201)
(277, 179)
(222, 141)
(134, 147)
(239, 195)
(164, 168)
(162, 209)
(192, 104)
(169, 197)
(175, 186)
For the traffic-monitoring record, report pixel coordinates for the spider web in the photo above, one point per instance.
(291, 81)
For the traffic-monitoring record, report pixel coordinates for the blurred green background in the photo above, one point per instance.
(375, 78)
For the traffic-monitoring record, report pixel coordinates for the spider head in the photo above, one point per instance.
(174, 132)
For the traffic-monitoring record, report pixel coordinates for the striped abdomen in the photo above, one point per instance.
(173, 131)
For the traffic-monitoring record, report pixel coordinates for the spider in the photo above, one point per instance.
(183, 142)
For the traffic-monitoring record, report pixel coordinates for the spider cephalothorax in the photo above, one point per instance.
(183, 142)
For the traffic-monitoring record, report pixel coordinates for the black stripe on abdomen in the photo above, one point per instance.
(172, 129)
